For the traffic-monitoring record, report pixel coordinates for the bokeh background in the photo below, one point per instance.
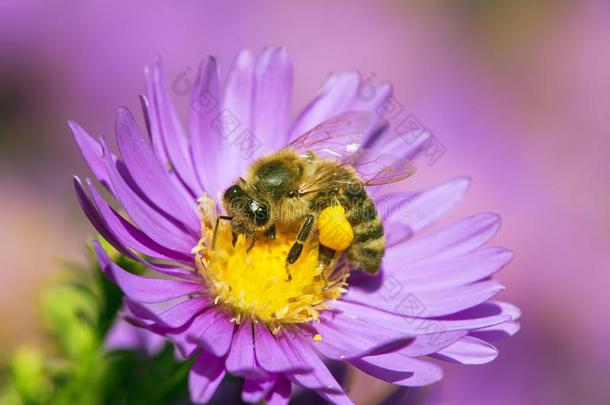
(517, 92)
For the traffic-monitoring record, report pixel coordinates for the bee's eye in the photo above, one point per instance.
(260, 213)
(236, 199)
(233, 192)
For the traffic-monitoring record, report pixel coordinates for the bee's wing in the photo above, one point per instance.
(337, 138)
(375, 169)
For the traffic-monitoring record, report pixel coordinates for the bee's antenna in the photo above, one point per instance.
(223, 217)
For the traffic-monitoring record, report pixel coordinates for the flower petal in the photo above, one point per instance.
(270, 356)
(205, 377)
(430, 343)
(445, 273)
(149, 175)
(207, 138)
(241, 360)
(347, 336)
(272, 98)
(430, 303)
(92, 153)
(148, 219)
(125, 336)
(462, 237)
(131, 236)
(280, 394)
(299, 353)
(175, 316)
(213, 330)
(338, 95)
(468, 350)
(396, 233)
(399, 369)
(143, 289)
(238, 102)
(115, 240)
(497, 332)
(168, 137)
(427, 206)
(255, 391)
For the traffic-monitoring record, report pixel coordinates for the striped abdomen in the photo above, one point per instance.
(368, 247)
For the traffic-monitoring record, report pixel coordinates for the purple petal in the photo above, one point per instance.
(280, 394)
(241, 360)
(168, 137)
(131, 236)
(146, 217)
(143, 289)
(214, 331)
(430, 303)
(92, 153)
(459, 238)
(299, 353)
(238, 100)
(497, 332)
(487, 310)
(445, 273)
(255, 391)
(180, 314)
(207, 137)
(426, 344)
(399, 369)
(337, 96)
(394, 144)
(102, 227)
(181, 337)
(94, 217)
(337, 398)
(439, 329)
(272, 98)
(473, 323)
(270, 356)
(148, 173)
(125, 336)
(205, 377)
(374, 97)
(175, 316)
(423, 209)
(348, 336)
(468, 350)
(396, 233)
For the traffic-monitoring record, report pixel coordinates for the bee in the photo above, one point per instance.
(320, 176)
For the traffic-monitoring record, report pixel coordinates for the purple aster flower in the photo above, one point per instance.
(233, 307)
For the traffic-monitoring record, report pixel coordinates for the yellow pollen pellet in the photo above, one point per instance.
(334, 228)
(317, 337)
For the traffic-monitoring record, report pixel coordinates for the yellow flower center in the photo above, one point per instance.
(258, 285)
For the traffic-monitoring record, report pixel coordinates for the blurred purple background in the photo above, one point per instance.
(517, 92)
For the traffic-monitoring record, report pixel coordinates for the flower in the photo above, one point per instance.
(236, 310)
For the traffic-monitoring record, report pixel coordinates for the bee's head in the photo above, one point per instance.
(250, 212)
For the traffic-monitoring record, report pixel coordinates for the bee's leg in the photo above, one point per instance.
(271, 232)
(325, 255)
(218, 218)
(253, 236)
(297, 247)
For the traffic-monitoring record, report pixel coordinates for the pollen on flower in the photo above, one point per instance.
(256, 285)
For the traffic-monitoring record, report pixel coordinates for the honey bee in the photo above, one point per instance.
(320, 176)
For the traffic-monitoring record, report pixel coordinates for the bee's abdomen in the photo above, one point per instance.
(368, 246)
